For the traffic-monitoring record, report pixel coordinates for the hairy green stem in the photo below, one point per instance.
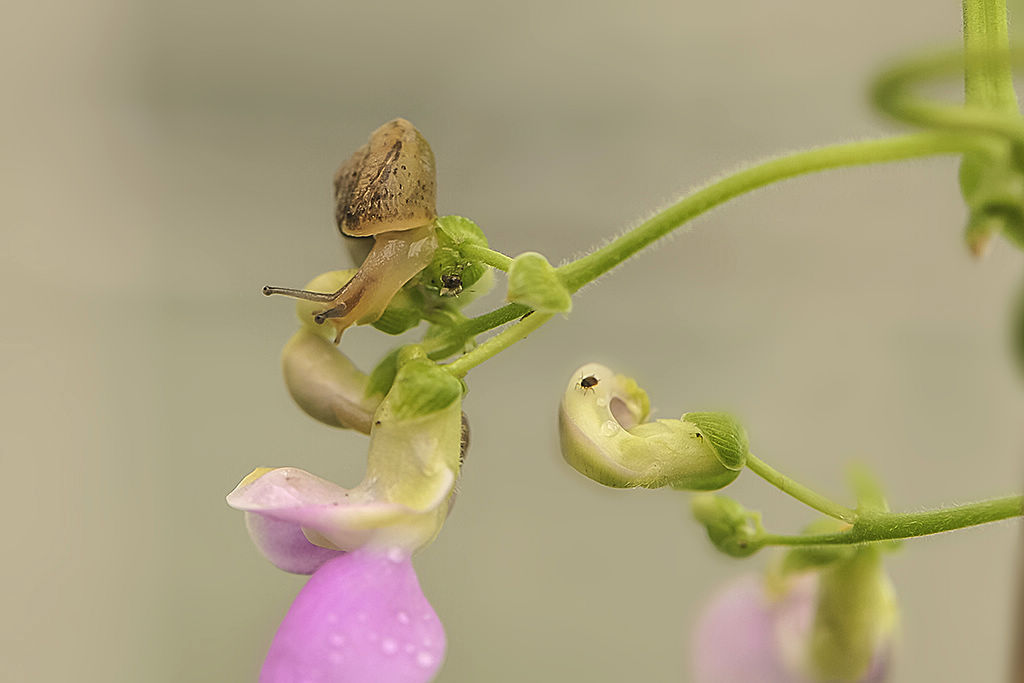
(496, 344)
(588, 268)
(889, 526)
(797, 490)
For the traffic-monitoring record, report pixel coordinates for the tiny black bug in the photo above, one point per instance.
(588, 383)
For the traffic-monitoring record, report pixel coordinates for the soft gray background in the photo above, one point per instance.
(163, 160)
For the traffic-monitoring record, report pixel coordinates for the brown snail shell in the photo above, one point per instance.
(388, 184)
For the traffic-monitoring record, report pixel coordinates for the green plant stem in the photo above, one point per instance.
(495, 259)
(893, 93)
(797, 490)
(988, 82)
(496, 344)
(588, 268)
(890, 526)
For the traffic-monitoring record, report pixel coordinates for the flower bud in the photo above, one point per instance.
(993, 187)
(604, 436)
(731, 527)
(452, 271)
(831, 624)
(533, 283)
(325, 383)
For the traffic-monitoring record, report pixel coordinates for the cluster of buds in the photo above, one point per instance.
(821, 614)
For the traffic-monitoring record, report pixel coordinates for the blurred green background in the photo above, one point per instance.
(163, 161)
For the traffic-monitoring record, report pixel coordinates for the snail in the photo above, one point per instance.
(386, 190)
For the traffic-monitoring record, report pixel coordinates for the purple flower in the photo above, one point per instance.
(362, 615)
(760, 630)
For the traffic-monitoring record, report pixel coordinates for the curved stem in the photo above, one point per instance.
(890, 526)
(496, 344)
(588, 268)
(797, 490)
(892, 93)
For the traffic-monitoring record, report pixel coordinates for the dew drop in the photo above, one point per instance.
(403, 617)
(601, 402)
(425, 659)
(388, 646)
(609, 428)
(396, 555)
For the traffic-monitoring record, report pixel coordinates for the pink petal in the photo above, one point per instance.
(746, 635)
(284, 544)
(361, 617)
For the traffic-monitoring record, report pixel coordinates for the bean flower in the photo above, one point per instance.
(362, 615)
(832, 624)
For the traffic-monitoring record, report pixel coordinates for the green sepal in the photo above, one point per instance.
(867, 489)
(533, 282)
(731, 528)
(452, 271)
(383, 375)
(421, 387)
(726, 435)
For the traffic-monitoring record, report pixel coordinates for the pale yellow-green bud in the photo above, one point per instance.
(605, 436)
(325, 383)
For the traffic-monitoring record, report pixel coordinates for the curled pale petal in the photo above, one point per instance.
(361, 617)
(751, 632)
(605, 436)
(340, 518)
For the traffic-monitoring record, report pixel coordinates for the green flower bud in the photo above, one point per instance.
(605, 436)
(452, 271)
(732, 528)
(533, 283)
(326, 384)
(993, 187)
(856, 611)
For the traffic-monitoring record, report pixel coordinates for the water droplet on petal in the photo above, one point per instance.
(425, 659)
(601, 402)
(609, 428)
(388, 646)
(396, 555)
(403, 617)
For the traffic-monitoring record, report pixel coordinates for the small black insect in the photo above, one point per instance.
(588, 383)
